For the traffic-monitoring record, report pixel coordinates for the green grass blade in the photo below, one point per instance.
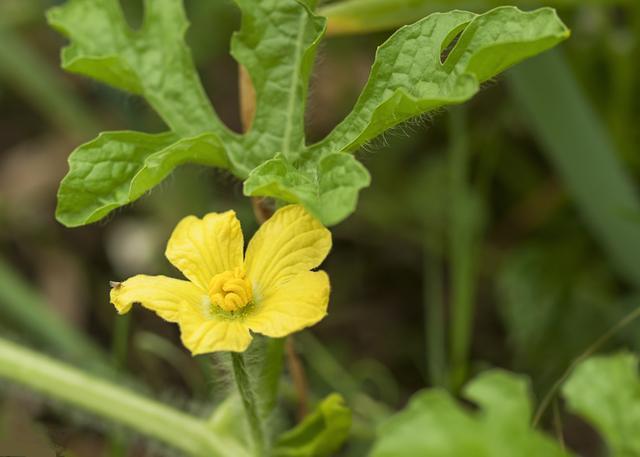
(28, 73)
(26, 309)
(575, 141)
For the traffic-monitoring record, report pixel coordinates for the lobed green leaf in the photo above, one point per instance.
(434, 424)
(412, 75)
(606, 392)
(153, 62)
(277, 45)
(119, 167)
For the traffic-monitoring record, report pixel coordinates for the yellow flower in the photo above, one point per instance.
(271, 291)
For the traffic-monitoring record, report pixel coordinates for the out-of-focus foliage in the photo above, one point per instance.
(606, 392)
(547, 290)
(434, 424)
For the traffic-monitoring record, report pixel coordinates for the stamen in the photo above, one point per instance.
(230, 291)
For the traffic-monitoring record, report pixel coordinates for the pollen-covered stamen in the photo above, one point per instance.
(230, 291)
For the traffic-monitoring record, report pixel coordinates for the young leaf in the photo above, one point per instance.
(606, 392)
(277, 45)
(320, 434)
(118, 167)
(153, 62)
(435, 425)
(409, 78)
(329, 189)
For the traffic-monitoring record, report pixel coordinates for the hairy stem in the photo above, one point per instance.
(249, 402)
(112, 402)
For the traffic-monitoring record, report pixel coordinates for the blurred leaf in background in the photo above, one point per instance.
(605, 391)
(434, 424)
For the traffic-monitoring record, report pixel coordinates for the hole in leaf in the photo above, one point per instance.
(449, 43)
(133, 11)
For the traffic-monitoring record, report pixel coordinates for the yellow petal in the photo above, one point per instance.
(202, 248)
(297, 304)
(202, 334)
(157, 293)
(289, 243)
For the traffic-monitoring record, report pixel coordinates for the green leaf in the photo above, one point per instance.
(118, 167)
(434, 424)
(329, 189)
(277, 45)
(408, 77)
(320, 434)
(153, 62)
(606, 392)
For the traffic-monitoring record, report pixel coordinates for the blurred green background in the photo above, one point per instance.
(516, 216)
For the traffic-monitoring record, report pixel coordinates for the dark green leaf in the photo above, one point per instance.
(118, 167)
(320, 434)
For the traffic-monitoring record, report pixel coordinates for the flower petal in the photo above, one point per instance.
(202, 248)
(202, 334)
(157, 293)
(290, 242)
(297, 304)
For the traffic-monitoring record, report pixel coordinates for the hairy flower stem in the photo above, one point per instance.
(249, 402)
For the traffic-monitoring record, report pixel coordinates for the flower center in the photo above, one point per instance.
(230, 291)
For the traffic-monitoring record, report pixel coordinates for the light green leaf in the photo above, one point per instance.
(329, 189)
(277, 45)
(606, 392)
(409, 78)
(118, 167)
(435, 425)
(153, 62)
(320, 434)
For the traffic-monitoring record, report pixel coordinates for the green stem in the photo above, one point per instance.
(270, 373)
(109, 401)
(464, 224)
(249, 402)
(434, 315)
(546, 400)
